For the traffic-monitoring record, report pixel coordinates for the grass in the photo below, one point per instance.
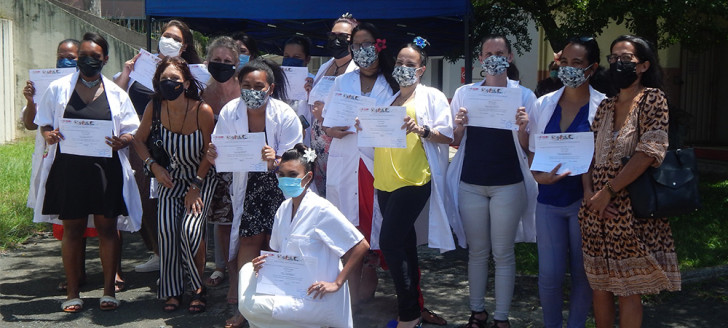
(15, 218)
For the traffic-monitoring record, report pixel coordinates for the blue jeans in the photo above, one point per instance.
(559, 242)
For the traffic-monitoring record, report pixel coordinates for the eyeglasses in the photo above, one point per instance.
(343, 37)
(357, 46)
(625, 57)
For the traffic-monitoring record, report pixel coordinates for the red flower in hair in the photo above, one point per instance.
(380, 45)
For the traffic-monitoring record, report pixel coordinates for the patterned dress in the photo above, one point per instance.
(320, 142)
(628, 255)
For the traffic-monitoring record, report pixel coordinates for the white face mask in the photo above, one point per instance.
(169, 47)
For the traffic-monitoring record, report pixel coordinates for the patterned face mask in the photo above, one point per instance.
(495, 65)
(405, 76)
(365, 56)
(572, 77)
(254, 98)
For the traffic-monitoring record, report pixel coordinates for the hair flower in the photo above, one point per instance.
(421, 42)
(380, 45)
(309, 155)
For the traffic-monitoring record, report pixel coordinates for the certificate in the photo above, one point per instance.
(85, 137)
(343, 109)
(296, 79)
(573, 151)
(492, 107)
(286, 275)
(382, 127)
(321, 89)
(200, 73)
(42, 78)
(144, 68)
(240, 152)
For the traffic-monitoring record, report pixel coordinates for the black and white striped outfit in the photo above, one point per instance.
(180, 233)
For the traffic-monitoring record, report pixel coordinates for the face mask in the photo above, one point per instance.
(495, 65)
(554, 74)
(244, 59)
(623, 74)
(337, 48)
(572, 77)
(171, 89)
(221, 72)
(168, 47)
(291, 187)
(65, 63)
(254, 98)
(405, 76)
(90, 66)
(365, 57)
(290, 61)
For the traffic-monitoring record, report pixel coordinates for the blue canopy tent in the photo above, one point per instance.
(445, 24)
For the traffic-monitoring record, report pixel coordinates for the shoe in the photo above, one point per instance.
(430, 317)
(171, 307)
(215, 279)
(201, 301)
(150, 266)
(497, 322)
(473, 321)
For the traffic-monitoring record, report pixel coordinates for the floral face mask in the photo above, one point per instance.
(572, 77)
(254, 98)
(495, 65)
(365, 56)
(405, 76)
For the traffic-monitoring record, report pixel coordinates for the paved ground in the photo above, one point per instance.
(28, 277)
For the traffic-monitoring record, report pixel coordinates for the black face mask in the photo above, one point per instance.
(89, 66)
(171, 89)
(623, 74)
(221, 72)
(337, 48)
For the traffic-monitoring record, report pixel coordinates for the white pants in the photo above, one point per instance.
(490, 217)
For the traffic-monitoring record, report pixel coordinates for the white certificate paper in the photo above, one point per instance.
(573, 151)
(85, 137)
(382, 127)
(144, 68)
(321, 89)
(343, 109)
(42, 78)
(286, 275)
(200, 73)
(296, 78)
(239, 152)
(492, 107)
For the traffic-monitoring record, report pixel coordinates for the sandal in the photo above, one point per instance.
(233, 323)
(119, 286)
(215, 279)
(201, 300)
(171, 307)
(496, 322)
(480, 323)
(108, 303)
(73, 305)
(428, 316)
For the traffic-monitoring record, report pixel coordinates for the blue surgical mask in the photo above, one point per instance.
(290, 61)
(291, 187)
(244, 59)
(65, 63)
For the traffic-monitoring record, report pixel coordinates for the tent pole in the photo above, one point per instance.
(468, 58)
(148, 27)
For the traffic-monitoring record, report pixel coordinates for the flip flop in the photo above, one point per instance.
(215, 279)
(108, 303)
(73, 305)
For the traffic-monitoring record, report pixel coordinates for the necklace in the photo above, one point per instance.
(90, 84)
(336, 71)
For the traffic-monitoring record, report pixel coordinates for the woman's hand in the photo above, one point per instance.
(258, 262)
(522, 118)
(599, 203)
(162, 176)
(461, 118)
(211, 154)
(318, 110)
(550, 177)
(52, 137)
(119, 142)
(338, 132)
(321, 288)
(268, 154)
(29, 91)
(129, 64)
(193, 201)
(309, 85)
(411, 126)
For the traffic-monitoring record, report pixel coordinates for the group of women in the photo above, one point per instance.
(354, 208)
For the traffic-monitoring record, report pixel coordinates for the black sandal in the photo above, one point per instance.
(496, 322)
(475, 321)
(171, 307)
(201, 306)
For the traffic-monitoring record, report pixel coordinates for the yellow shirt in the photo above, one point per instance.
(395, 168)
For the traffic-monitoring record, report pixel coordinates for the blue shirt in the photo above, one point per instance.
(569, 189)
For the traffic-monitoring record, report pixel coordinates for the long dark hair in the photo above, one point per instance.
(644, 51)
(192, 92)
(95, 38)
(296, 153)
(248, 42)
(190, 53)
(273, 72)
(386, 60)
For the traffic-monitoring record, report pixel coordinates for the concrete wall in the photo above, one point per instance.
(7, 88)
(38, 26)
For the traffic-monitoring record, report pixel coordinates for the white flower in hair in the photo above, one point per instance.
(309, 155)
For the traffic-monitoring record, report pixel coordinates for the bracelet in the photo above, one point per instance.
(611, 191)
(198, 182)
(148, 163)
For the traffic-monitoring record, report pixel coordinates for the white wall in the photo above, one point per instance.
(7, 82)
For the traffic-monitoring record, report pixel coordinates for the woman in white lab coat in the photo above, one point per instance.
(309, 226)
(72, 187)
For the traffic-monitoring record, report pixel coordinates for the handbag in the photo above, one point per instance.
(668, 190)
(154, 141)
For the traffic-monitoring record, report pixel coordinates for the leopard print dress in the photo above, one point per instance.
(628, 255)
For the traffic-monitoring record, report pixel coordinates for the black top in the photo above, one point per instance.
(490, 158)
(98, 109)
(140, 97)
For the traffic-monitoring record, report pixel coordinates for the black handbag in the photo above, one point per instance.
(154, 141)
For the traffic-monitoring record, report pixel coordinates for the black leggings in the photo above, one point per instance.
(398, 243)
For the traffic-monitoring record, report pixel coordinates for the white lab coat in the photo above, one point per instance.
(125, 120)
(545, 107)
(433, 110)
(325, 67)
(342, 183)
(527, 226)
(283, 131)
(38, 150)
